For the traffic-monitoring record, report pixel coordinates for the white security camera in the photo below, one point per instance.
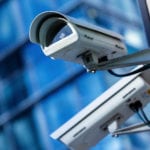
(105, 114)
(65, 38)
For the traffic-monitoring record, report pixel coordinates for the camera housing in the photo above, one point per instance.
(95, 121)
(66, 38)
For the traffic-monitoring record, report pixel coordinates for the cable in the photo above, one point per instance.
(137, 108)
(141, 69)
(142, 117)
(145, 116)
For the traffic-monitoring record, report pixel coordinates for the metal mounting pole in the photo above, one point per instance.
(132, 129)
(139, 58)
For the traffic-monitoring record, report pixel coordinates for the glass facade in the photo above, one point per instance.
(39, 94)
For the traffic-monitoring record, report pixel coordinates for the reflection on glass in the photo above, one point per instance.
(62, 33)
(25, 135)
(3, 141)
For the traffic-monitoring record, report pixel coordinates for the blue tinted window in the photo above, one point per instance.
(90, 86)
(30, 8)
(11, 30)
(64, 4)
(79, 12)
(13, 92)
(42, 70)
(24, 134)
(58, 105)
(4, 144)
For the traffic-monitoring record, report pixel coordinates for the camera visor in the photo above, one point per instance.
(53, 30)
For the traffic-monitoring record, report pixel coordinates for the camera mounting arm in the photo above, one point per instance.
(141, 127)
(92, 63)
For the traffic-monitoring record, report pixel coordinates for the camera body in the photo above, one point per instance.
(92, 123)
(66, 38)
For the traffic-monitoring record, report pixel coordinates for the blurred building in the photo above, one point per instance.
(37, 94)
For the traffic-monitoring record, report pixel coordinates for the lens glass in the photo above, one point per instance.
(62, 33)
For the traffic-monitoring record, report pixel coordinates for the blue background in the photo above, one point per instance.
(39, 94)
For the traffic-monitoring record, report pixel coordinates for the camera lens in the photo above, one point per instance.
(53, 30)
(62, 33)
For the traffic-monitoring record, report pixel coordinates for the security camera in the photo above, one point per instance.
(63, 37)
(105, 114)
